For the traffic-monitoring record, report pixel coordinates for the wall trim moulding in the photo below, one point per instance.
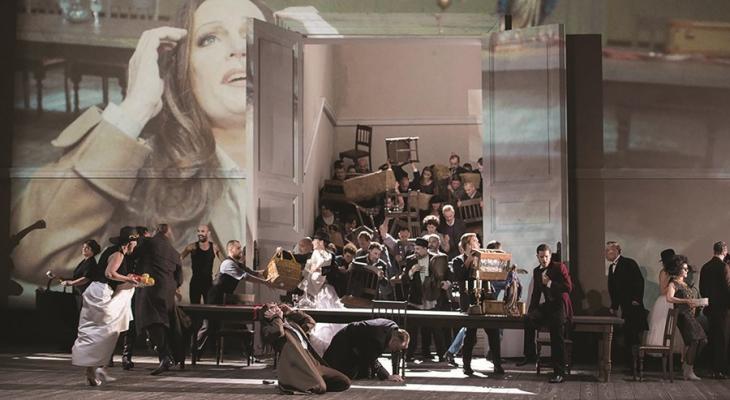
(412, 121)
(651, 174)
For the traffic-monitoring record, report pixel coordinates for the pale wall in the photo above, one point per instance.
(404, 88)
(664, 175)
(318, 70)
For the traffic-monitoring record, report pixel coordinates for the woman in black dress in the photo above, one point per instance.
(686, 300)
(79, 281)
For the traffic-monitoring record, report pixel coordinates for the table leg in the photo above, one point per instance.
(607, 338)
(194, 348)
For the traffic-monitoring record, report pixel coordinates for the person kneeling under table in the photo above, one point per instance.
(355, 349)
(300, 369)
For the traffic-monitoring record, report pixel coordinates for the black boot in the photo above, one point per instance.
(127, 363)
(449, 357)
(165, 364)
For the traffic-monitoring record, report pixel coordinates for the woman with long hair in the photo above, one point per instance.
(173, 150)
(685, 300)
(107, 308)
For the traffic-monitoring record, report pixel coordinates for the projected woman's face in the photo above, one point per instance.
(218, 59)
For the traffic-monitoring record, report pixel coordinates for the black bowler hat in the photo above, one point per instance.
(667, 256)
(421, 242)
(126, 234)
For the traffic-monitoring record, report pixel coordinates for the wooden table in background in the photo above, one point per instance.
(102, 50)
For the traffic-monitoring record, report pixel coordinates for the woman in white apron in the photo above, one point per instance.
(106, 309)
(318, 293)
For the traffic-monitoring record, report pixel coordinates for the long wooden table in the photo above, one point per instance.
(102, 50)
(602, 326)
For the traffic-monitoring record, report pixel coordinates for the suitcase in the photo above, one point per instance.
(697, 37)
(368, 186)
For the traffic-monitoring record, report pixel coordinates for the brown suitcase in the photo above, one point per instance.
(368, 186)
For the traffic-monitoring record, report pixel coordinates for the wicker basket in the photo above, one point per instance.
(283, 271)
(368, 186)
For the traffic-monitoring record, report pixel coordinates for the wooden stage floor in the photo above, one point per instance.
(51, 376)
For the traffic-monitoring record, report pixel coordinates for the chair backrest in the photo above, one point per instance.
(369, 278)
(669, 328)
(470, 210)
(363, 136)
(396, 311)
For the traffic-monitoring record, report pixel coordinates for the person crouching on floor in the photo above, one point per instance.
(300, 369)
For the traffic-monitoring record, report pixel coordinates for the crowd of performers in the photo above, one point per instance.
(330, 355)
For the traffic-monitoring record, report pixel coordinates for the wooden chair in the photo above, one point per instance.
(396, 311)
(367, 278)
(363, 144)
(470, 211)
(238, 330)
(666, 349)
(545, 341)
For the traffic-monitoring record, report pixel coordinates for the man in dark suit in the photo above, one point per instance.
(155, 305)
(715, 285)
(550, 306)
(355, 349)
(626, 289)
(424, 292)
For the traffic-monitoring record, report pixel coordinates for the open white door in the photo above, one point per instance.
(274, 213)
(525, 146)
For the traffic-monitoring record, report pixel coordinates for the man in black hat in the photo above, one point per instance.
(626, 289)
(715, 285)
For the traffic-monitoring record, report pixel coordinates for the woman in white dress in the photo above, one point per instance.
(318, 293)
(658, 314)
(106, 309)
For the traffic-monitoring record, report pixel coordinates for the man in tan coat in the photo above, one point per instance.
(300, 369)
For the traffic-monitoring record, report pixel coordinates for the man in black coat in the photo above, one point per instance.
(155, 305)
(715, 285)
(424, 292)
(355, 349)
(626, 289)
(465, 266)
